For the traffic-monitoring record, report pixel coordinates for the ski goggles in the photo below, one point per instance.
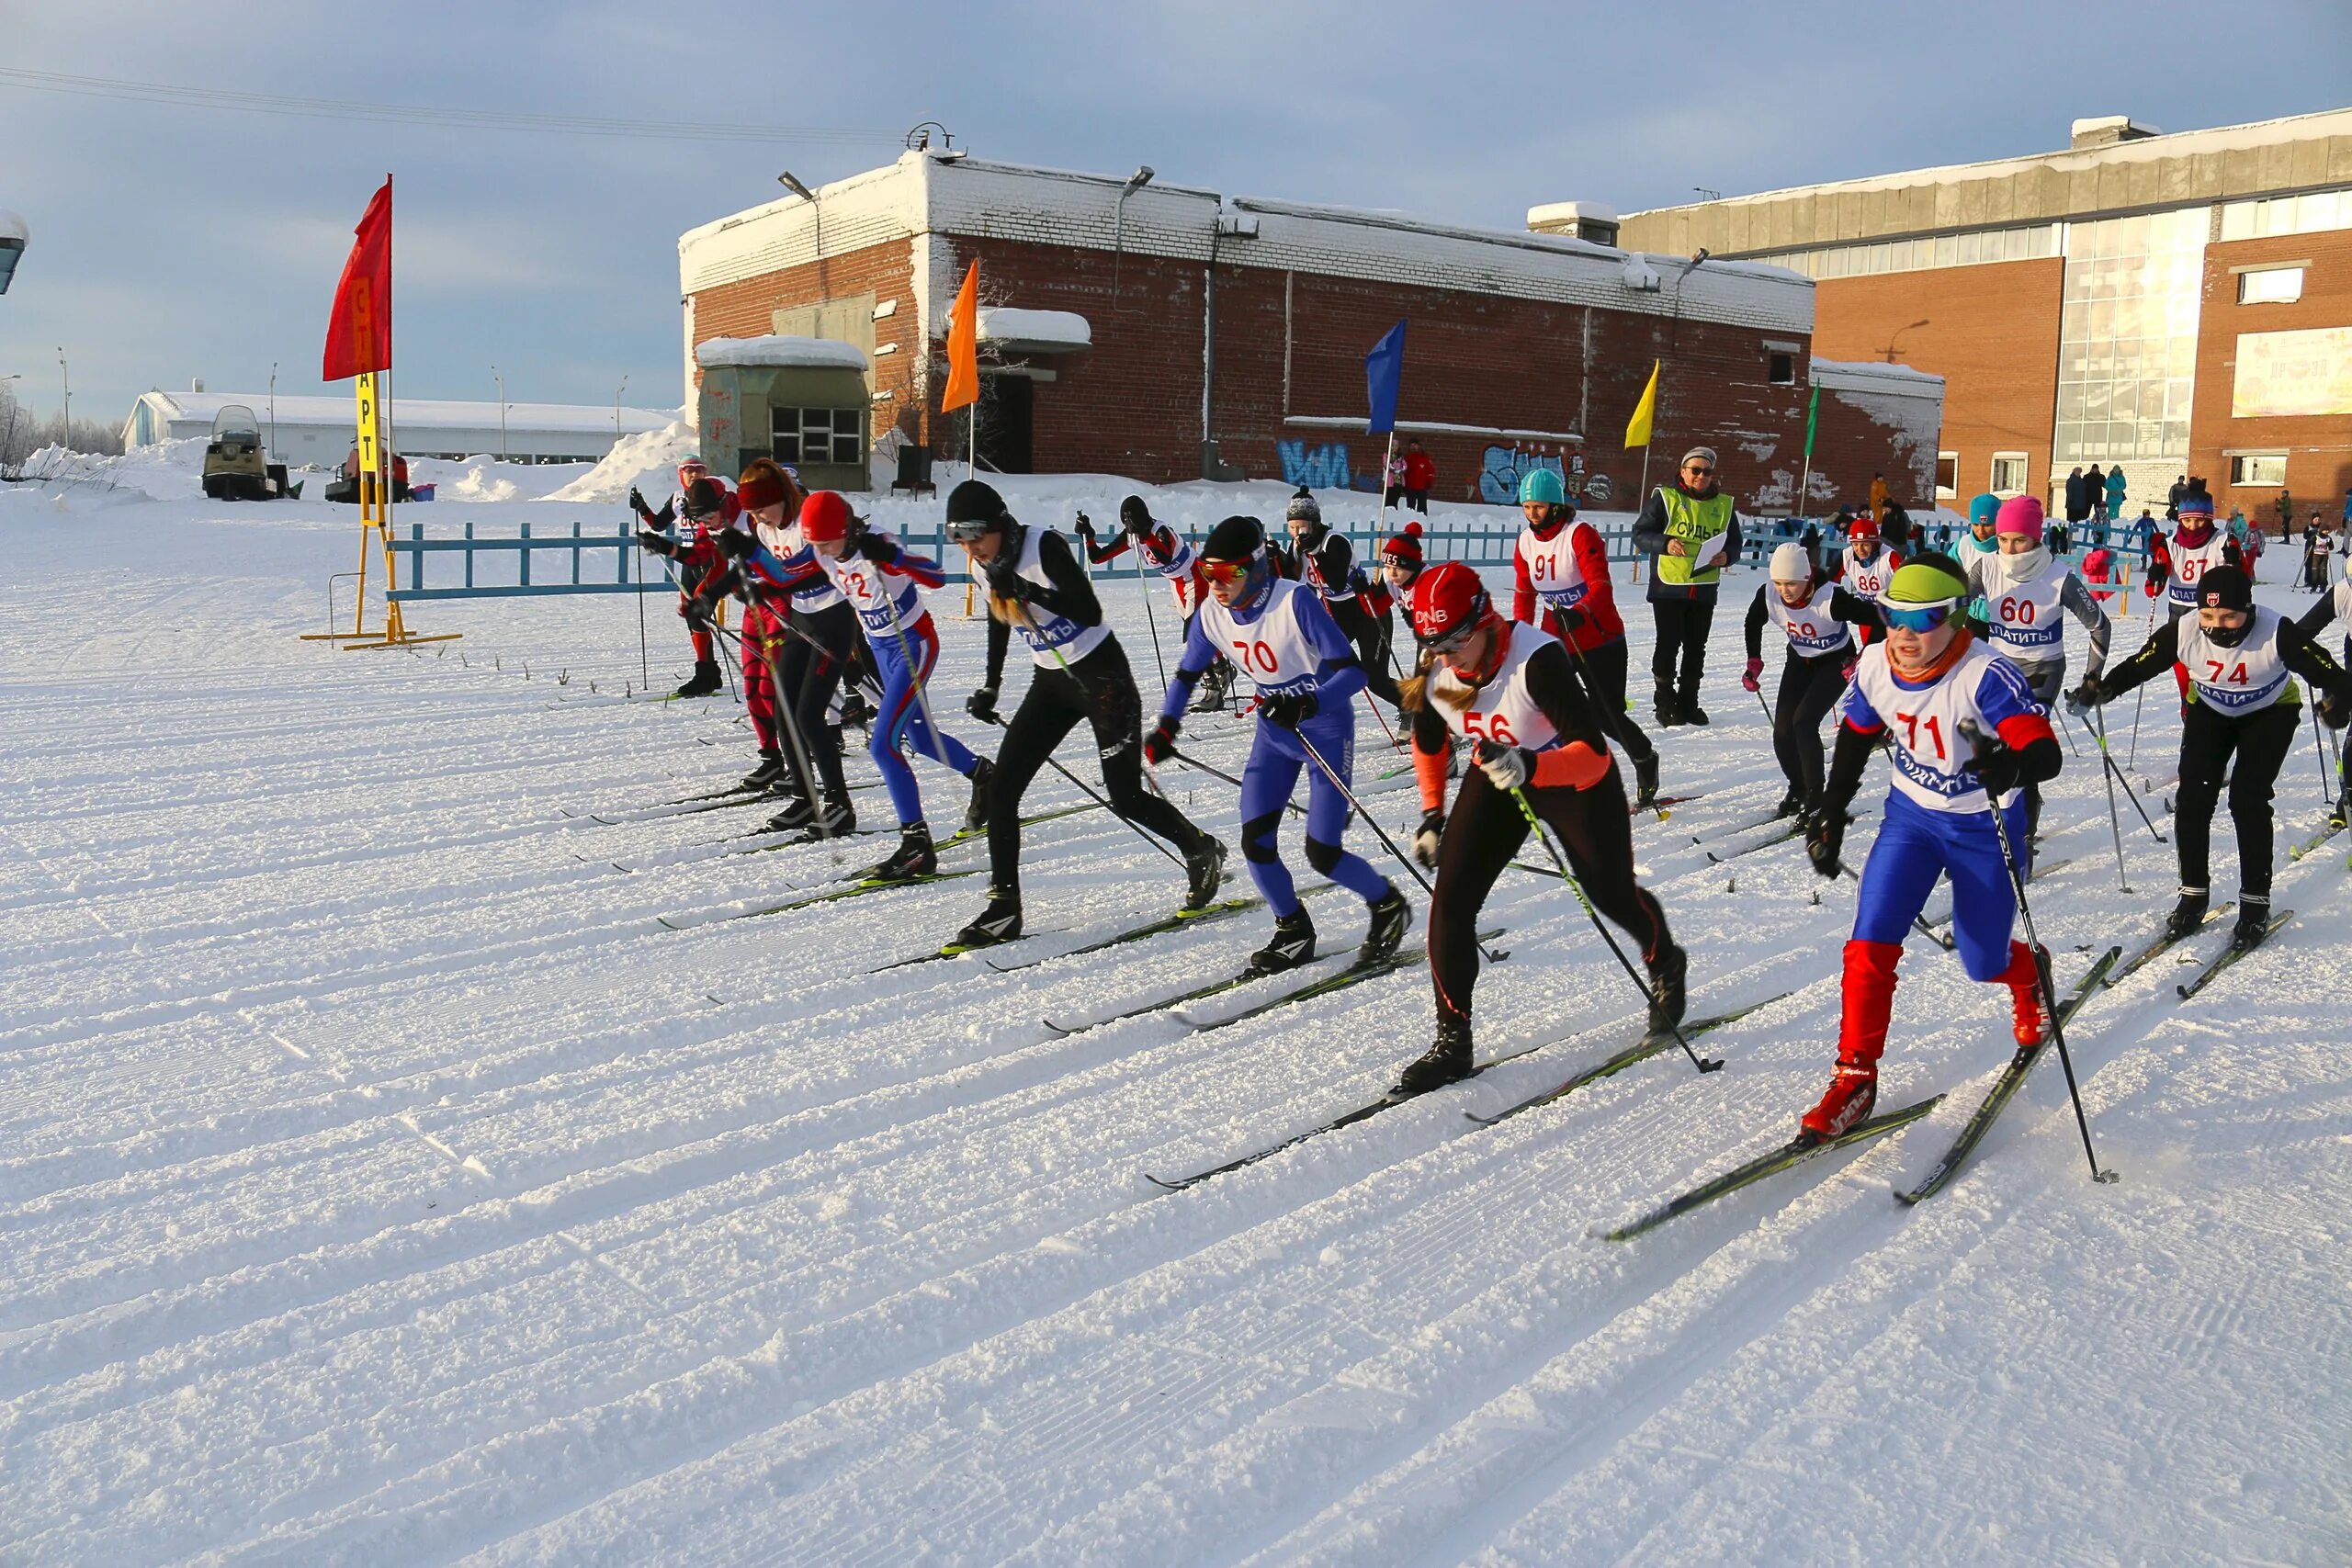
(1917, 617)
(1453, 639)
(1226, 570)
(970, 529)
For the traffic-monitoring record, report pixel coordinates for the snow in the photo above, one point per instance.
(437, 413)
(1057, 329)
(780, 349)
(381, 1183)
(1886, 380)
(649, 462)
(13, 227)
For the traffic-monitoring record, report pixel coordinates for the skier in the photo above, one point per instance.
(2176, 566)
(1036, 586)
(1921, 684)
(1817, 615)
(1400, 568)
(2239, 656)
(1561, 584)
(1326, 562)
(694, 553)
(2024, 593)
(1866, 567)
(1511, 690)
(1280, 634)
(2332, 607)
(883, 583)
(1983, 515)
(1692, 530)
(759, 633)
(1168, 553)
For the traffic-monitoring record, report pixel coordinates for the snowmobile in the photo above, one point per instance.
(234, 468)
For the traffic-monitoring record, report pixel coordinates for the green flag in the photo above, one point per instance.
(1812, 419)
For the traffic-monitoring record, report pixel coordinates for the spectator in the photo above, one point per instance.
(2286, 505)
(2062, 538)
(2076, 506)
(1894, 528)
(1420, 475)
(2318, 545)
(2098, 566)
(1689, 528)
(2114, 494)
(2347, 506)
(2172, 497)
(1811, 540)
(2094, 495)
(1879, 498)
(1392, 483)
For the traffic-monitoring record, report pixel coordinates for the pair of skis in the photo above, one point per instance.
(855, 885)
(1177, 922)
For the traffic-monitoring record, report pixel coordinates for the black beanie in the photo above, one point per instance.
(702, 499)
(1235, 538)
(973, 501)
(1304, 506)
(1134, 515)
(2227, 588)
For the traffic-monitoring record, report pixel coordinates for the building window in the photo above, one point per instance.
(1783, 371)
(2271, 285)
(2008, 473)
(819, 435)
(1947, 475)
(2257, 468)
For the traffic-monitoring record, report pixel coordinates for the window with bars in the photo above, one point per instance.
(819, 436)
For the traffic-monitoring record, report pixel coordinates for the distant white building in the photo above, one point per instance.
(320, 430)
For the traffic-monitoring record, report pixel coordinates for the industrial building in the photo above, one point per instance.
(1134, 326)
(318, 430)
(2181, 304)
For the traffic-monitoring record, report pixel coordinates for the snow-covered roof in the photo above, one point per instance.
(13, 227)
(1870, 376)
(1040, 328)
(415, 412)
(781, 349)
(1569, 213)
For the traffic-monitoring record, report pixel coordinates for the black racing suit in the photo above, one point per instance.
(1327, 564)
(1810, 687)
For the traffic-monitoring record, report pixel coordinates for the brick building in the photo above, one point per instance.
(1170, 333)
(2181, 304)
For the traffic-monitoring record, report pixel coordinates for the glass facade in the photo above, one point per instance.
(1917, 255)
(2127, 337)
(2312, 213)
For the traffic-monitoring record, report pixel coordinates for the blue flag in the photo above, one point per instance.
(1384, 369)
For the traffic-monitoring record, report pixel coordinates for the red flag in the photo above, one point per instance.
(359, 334)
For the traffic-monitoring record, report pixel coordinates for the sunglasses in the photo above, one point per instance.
(1925, 619)
(966, 532)
(1452, 641)
(1697, 469)
(1225, 571)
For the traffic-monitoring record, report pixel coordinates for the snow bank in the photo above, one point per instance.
(780, 349)
(649, 460)
(1061, 329)
(485, 478)
(165, 470)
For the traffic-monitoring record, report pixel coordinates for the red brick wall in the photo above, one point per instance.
(2318, 446)
(1862, 434)
(747, 310)
(1992, 334)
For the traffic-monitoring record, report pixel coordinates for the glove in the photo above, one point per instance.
(1160, 744)
(2333, 710)
(981, 705)
(1824, 838)
(873, 547)
(1004, 578)
(1995, 765)
(656, 544)
(732, 543)
(696, 613)
(1571, 620)
(1289, 709)
(1506, 767)
(2091, 693)
(1086, 526)
(637, 503)
(1750, 681)
(1427, 837)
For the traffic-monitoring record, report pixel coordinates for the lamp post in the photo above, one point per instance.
(616, 407)
(1136, 182)
(272, 411)
(1898, 336)
(501, 411)
(67, 370)
(8, 437)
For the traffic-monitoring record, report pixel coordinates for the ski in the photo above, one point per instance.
(1793, 1152)
(1780, 838)
(693, 805)
(956, 950)
(739, 844)
(2137, 961)
(858, 885)
(1737, 829)
(2229, 955)
(1353, 973)
(1648, 1045)
(2314, 842)
(1177, 922)
(2004, 1087)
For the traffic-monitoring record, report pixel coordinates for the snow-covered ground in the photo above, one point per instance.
(381, 1181)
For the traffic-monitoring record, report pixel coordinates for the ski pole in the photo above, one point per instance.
(2116, 774)
(1143, 586)
(1975, 734)
(644, 664)
(2319, 743)
(2114, 822)
(1294, 807)
(1403, 859)
(1613, 725)
(807, 774)
(1105, 805)
(2132, 754)
(1535, 825)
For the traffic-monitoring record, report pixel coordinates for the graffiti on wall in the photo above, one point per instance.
(1325, 468)
(1504, 466)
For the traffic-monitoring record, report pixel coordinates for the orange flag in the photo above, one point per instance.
(964, 345)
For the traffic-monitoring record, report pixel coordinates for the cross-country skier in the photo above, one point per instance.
(1560, 583)
(2025, 595)
(2177, 565)
(1326, 561)
(693, 550)
(1866, 566)
(1983, 520)
(1511, 690)
(1168, 553)
(1036, 586)
(1400, 566)
(1920, 685)
(2239, 656)
(883, 583)
(759, 634)
(1279, 635)
(1818, 616)
(2331, 607)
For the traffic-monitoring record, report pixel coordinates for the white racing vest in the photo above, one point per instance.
(793, 556)
(1870, 581)
(1502, 710)
(1813, 631)
(2189, 566)
(1047, 633)
(1312, 570)
(1929, 749)
(2027, 620)
(1552, 567)
(882, 597)
(2241, 680)
(1274, 651)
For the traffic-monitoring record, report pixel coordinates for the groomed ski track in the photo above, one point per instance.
(379, 1182)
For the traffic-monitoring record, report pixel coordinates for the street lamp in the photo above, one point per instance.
(501, 411)
(8, 438)
(272, 411)
(1136, 182)
(1898, 336)
(68, 371)
(792, 184)
(616, 407)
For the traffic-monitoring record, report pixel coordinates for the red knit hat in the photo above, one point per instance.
(1447, 601)
(1405, 546)
(824, 515)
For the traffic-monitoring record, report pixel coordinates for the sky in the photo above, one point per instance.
(171, 241)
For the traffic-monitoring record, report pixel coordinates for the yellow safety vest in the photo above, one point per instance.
(1693, 520)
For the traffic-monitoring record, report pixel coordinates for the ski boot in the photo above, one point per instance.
(2029, 1024)
(915, 859)
(1216, 686)
(976, 815)
(1390, 916)
(1791, 803)
(1205, 867)
(2254, 922)
(1668, 972)
(1691, 712)
(702, 683)
(834, 819)
(795, 815)
(764, 777)
(2187, 915)
(999, 922)
(1293, 944)
(1646, 783)
(855, 708)
(1853, 1091)
(1669, 711)
(2336, 816)
(1447, 1061)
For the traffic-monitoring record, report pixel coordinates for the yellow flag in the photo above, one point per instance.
(964, 345)
(1637, 429)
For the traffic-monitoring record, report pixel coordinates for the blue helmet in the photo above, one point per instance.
(1543, 486)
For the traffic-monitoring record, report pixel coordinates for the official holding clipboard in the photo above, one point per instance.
(1689, 529)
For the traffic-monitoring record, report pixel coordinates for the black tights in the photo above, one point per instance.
(1603, 670)
(1355, 623)
(2261, 741)
(1809, 689)
(807, 678)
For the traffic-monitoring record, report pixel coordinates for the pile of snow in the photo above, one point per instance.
(780, 349)
(165, 471)
(1057, 329)
(649, 461)
(484, 479)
